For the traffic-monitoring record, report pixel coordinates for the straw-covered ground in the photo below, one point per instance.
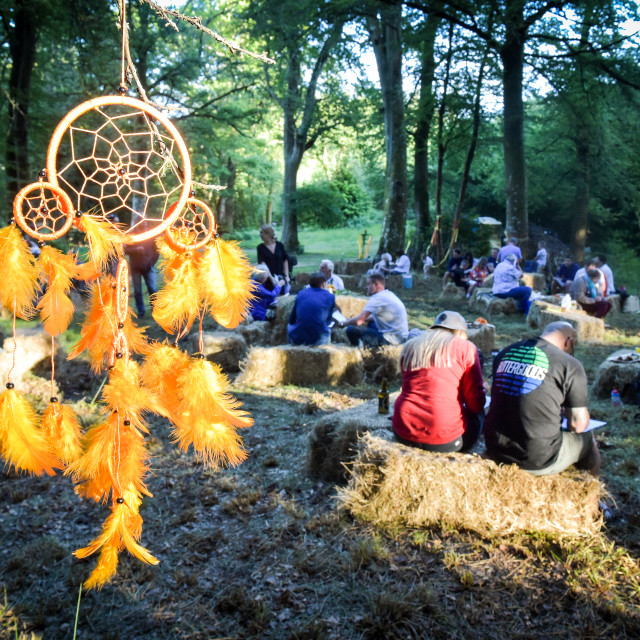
(262, 551)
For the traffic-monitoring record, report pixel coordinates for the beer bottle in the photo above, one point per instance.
(383, 397)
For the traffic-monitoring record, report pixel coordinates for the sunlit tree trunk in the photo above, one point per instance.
(385, 30)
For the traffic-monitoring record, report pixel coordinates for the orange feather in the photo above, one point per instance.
(56, 308)
(105, 241)
(224, 280)
(175, 306)
(22, 443)
(19, 274)
(61, 428)
(99, 327)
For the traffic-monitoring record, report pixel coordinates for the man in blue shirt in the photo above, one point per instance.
(311, 312)
(565, 276)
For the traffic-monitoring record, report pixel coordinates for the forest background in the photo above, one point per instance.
(416, 114)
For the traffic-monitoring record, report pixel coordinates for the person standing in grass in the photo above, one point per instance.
(440, 407)
(535, 382)
(272, 253)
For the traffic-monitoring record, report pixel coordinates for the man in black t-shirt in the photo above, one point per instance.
(533, 381)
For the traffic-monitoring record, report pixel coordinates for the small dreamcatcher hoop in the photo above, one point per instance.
(193, 228)
(122, 292)
(43, 211)
(119, 156)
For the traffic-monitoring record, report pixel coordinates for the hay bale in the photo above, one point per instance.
(383, 362)
(357, 267)
(351, 283)
(394, 281)
(255, 333)
(303, 366)
(302, 279)
(32, 347)
(278, 333)
(487, 283)
(333, 439)
(485, 303)
(351, 305)
(631, 305)
(616, 303)
(451, 291)
(483, 336)
(225, 348)
(534, 280)
(588, 328)
(620, 369)
(392, 484)
(537, 306)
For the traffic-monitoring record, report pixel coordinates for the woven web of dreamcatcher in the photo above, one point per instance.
(117, 160)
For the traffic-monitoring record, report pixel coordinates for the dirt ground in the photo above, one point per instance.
(262, 552)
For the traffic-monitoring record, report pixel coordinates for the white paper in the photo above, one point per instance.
(593, 424)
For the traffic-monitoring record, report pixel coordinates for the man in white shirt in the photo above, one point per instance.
(383, 320)
(402, 264)
(326, 267)
(601, 263)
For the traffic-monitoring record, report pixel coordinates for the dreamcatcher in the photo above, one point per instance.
(118, 170)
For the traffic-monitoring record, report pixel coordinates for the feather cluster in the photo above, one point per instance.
(121, 530)
(218, 278)
(57, 269)
(60, 427)
(99, 328)
(202, 411)
(23, 445)
(19, 281)
(105, 241)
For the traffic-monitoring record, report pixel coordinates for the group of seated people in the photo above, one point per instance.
(536, 382)
(590, 286)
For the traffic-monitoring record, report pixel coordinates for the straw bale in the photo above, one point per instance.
(32, 347)
(303, 366)
(588, 328)
(352, 283)
(616, 303)
(487, 283)
(383, 362)
(631, 305)
(537, 306)
(394, 281)
(484, 302)
(225, 348)
(357, 267)
(278, 333)
(333, 439)
(255, 333)
(451, 291)
(351, 305)
(534, 280)
(483, 336)
(616, 375)
(392, 484)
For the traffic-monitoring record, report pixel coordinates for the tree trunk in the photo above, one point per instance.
(22, 47)
(512, 55)
(293, 150)
(581, 204)
(229, 199)
(386, 38)
(421, 135)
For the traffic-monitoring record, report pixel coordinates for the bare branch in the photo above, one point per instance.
(196, 22)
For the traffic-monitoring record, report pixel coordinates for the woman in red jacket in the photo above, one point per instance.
(441, 405)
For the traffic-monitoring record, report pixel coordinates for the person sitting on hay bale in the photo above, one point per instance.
(262, 307)
(333, 281)
(587, 289)
(383, 265)
(534, 381)
(440, 407)
(506, 281)
(310, 314)
(510, 249)
(402, 264)
(452, 264)
(566, 273)
(384, 317)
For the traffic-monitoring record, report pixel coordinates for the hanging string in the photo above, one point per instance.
(53, 366)
(123, 26)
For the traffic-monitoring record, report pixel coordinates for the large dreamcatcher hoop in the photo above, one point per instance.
(119, 156)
